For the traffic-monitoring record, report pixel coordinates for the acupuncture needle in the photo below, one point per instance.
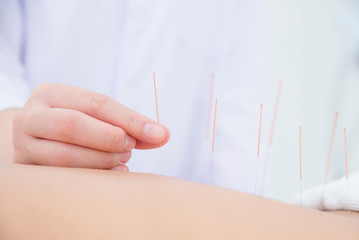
(259, 143)
(331, 145)
(270, 141)
(158, 118)
(214, 133)
(210, 105)
(346, 162)
(274, 118)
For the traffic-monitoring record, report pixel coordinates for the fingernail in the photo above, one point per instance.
(130, 143)
(124, 157)
(121, 168)
(154, 131)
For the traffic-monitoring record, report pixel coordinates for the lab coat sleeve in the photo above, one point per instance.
(14, 89)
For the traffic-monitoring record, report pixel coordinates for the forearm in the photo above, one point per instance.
(6, 145)
(58, 203)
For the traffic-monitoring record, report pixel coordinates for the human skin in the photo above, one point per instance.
(39, 202)
(62, 125)
(6, 146)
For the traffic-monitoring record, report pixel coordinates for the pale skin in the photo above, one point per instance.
(68, 203)
(67, 126)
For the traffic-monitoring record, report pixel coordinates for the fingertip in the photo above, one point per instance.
(130, 143)
(167, 137)
(154, 132)
(125, 157)
(140, 144)
(120, 168)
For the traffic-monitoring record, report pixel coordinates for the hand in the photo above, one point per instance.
(337, 195)
(71, 127)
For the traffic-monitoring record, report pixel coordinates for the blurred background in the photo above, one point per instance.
(314, 48)
(313, 45)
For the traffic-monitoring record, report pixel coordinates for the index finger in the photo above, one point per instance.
(106, 109)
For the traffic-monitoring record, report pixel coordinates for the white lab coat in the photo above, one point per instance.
(112, 47)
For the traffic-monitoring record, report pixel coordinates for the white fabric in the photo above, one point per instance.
(13, 89)
(337, 195)
(113, 46)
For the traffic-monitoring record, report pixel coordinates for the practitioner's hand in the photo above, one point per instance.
(338, 195)
(67, 126)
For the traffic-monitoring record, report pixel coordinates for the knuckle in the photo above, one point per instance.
(23, 153)
(96, 103)
(109, 160)
(18, 119)
(18, 144)
(132, 121)
(42, 87)
(62, 159)
(65, 126)
(115, 141)
(20, 138)
(40, 94)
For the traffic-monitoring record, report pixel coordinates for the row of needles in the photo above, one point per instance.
(331, 145)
